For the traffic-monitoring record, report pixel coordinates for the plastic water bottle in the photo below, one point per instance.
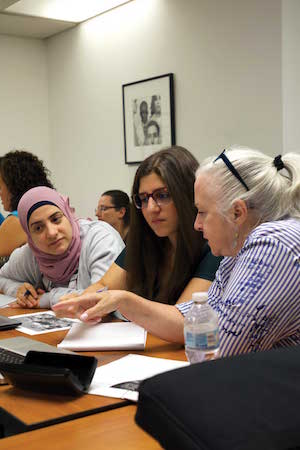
(201, 330)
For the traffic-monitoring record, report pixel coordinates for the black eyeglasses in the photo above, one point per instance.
(160, 196)
(232, 168)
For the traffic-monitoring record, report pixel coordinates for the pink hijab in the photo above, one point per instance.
(57, 268)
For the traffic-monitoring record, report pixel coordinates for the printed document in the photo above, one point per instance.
(42, 322)
(121, 378)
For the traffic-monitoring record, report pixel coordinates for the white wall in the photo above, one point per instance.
(226, 58)
(24, 122)
(24, 96)
(291, 74)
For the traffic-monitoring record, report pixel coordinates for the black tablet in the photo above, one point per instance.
(57, 373)
(7, 324)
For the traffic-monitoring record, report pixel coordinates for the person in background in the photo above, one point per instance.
(114, 208)
(144, 114)
(155, 108)
(19, 171)
(63, 255)
(248, 207)
(152, 133)
(140, 121)
(165, 259)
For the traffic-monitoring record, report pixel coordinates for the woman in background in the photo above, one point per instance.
(64, 254)
(19, 171)
(114, 208)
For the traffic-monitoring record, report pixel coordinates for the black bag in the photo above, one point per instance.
(246, 402)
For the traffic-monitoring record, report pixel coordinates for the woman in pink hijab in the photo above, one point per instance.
(63, 255)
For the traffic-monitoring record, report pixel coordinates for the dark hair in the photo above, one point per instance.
(143, 103)
(146, 252)
(120, 200)
(20, 172)
(153, 123)
(153, 107)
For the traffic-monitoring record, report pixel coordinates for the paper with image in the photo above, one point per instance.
(121, 378)
(42, 322)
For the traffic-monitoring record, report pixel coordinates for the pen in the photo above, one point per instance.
(105, 288)
(27, 293)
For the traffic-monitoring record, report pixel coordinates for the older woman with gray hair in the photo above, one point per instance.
(249, 211)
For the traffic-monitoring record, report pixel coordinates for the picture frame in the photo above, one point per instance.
(148, 117)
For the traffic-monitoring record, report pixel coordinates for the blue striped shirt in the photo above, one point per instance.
(257, 293)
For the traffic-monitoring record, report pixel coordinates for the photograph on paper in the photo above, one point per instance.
(43, 322)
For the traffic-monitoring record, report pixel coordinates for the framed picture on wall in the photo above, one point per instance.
(148, 115)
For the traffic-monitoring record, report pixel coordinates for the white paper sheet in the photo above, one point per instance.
(5, 300)
(105, 336)
(127, 369)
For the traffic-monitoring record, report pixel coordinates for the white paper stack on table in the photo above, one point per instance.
(6, 300)
(105, 336)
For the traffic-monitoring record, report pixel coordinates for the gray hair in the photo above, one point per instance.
(273, 194)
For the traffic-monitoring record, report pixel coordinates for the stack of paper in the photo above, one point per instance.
(5, 300)
(105, 336)
(121, 378)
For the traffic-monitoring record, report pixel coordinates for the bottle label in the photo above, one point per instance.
(202, 341)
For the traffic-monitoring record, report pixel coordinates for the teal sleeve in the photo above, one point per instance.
(120, 261)
(1, 218)
(208, 266)
(13, 213)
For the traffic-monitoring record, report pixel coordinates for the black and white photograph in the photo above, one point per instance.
(43, 322)
(128, 385)
(148, 113)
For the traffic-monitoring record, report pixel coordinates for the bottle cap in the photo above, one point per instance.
(199, 297)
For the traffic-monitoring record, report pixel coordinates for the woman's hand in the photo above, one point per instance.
(27, 297)
(90, 307)
(63, 311)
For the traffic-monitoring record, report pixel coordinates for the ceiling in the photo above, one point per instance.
(23, 18)
(34, 27)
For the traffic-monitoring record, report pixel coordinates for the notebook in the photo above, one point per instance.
(105, 336)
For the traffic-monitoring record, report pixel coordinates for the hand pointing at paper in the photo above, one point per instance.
(89, 307)
(164, 321)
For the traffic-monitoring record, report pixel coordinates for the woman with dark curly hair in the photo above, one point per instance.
(19, 172)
